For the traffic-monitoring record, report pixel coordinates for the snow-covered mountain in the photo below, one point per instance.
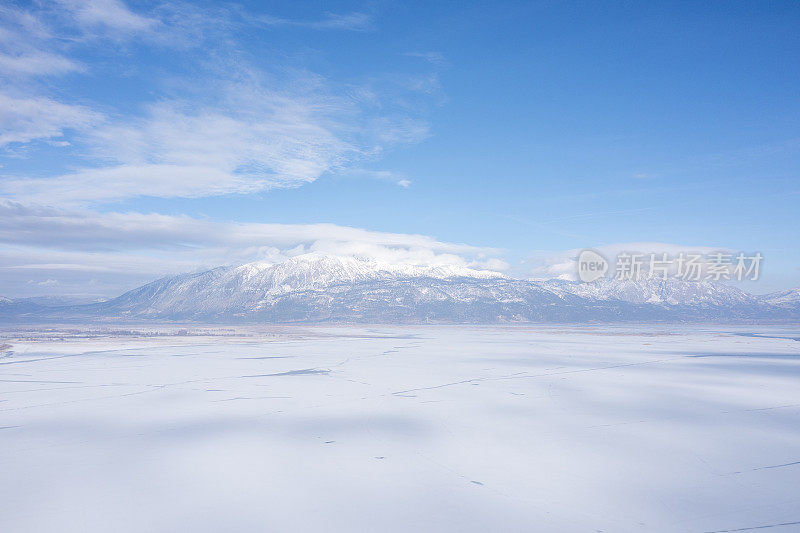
(656, 291)
(785, 299)
(316, 287)
(12, 309)
(253, 287)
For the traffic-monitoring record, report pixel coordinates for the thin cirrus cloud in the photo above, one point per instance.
(381, 175)
(128, 181)
(27, 119)
(111, 14)
(37, 63)
(27, 48)
(39, 38)
(237, 130)
(354, 21)
(251, 140)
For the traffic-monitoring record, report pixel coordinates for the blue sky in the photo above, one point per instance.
(141, 139)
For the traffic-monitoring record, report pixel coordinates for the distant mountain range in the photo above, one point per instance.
(326, 288)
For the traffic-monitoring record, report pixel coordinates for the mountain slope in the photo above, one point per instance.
(330, 288)
(784, 299)
(249, 288)
(317, 288)
(13, 309)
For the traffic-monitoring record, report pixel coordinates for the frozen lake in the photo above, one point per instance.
(440, 428)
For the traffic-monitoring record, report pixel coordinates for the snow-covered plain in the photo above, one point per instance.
(440, 428)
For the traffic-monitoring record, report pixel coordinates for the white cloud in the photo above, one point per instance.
(355, 21)
(246, 138)
(26, 119)
(381, 175)
(111, 14)
(21, 25)
(37, 63)
(126, 181)
(25, 48)
(88, 230)
(237, 129)
(435, 58)
(140, 247)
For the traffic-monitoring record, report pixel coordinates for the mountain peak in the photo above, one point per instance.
(318, 270)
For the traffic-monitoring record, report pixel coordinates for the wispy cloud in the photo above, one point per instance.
(26, 47)
(27, 119)
(354, 21)
(381, 175)
(109, 14)
(434, 58)
(251, 138)
(37, 63)
(235, 130)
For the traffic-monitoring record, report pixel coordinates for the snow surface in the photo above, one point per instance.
(438, 428)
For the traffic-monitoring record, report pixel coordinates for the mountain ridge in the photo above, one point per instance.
(331, 288)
